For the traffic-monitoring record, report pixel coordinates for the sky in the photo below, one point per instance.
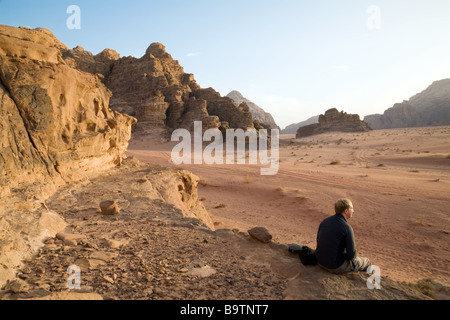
(294, 58)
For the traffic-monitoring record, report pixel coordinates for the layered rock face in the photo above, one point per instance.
(264, 118)
(55, 127)
(55, 120)
(431, 107)
(156, 90)
(401, 115)
(334, 121)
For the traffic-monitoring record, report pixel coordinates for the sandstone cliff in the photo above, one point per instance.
(430, 107)
(55, 120)
(55, 127)
(334, 121)
(258, 113)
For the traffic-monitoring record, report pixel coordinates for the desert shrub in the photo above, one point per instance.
(424, 286)
(335, 162)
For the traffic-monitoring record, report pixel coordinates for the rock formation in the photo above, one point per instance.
(55, 127)
(55, 120)
(156, 90)
(264, 118)
(431, 107)
(334, 121)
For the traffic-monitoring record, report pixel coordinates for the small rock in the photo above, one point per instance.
(89, 263)
(109, 279)
(104, 256)
(40, 270)
(109, 208)
(202, 272)
(148, 292)
(115, 244)
(17, 286)
(70, 242)
(261, 234)
(63, 236)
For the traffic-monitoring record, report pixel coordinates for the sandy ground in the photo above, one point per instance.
(398, 180)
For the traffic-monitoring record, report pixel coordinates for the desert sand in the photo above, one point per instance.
(398, 180)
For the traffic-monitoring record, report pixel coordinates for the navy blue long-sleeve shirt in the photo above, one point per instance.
(335, 242)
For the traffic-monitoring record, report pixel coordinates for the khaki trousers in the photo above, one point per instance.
(357, 264)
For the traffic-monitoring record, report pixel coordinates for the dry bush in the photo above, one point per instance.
(424, 286)
(248, 179)
(335, 162)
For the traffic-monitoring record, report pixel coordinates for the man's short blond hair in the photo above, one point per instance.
(341, 205)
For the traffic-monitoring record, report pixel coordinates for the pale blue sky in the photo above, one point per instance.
(294, 58)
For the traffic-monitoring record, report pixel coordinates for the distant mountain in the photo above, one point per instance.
(431, 107)
(292, 129)
(258, 113)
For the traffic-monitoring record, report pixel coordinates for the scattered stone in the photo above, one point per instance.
(63, 236)
(109, 208)
(70, 242)
(17, 286)
(115, 244)
(108, 279)
(261, 234)
(104, 256)
(85, 263)
(202, 272)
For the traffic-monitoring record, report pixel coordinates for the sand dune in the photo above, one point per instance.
(399, 181)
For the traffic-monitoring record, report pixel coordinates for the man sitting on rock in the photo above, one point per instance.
(336, 249)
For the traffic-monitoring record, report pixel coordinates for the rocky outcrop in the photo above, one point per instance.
(334, 121)
(431, 107)
(263, 117)
(55, 120)
(55, 127)
(156, 90)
